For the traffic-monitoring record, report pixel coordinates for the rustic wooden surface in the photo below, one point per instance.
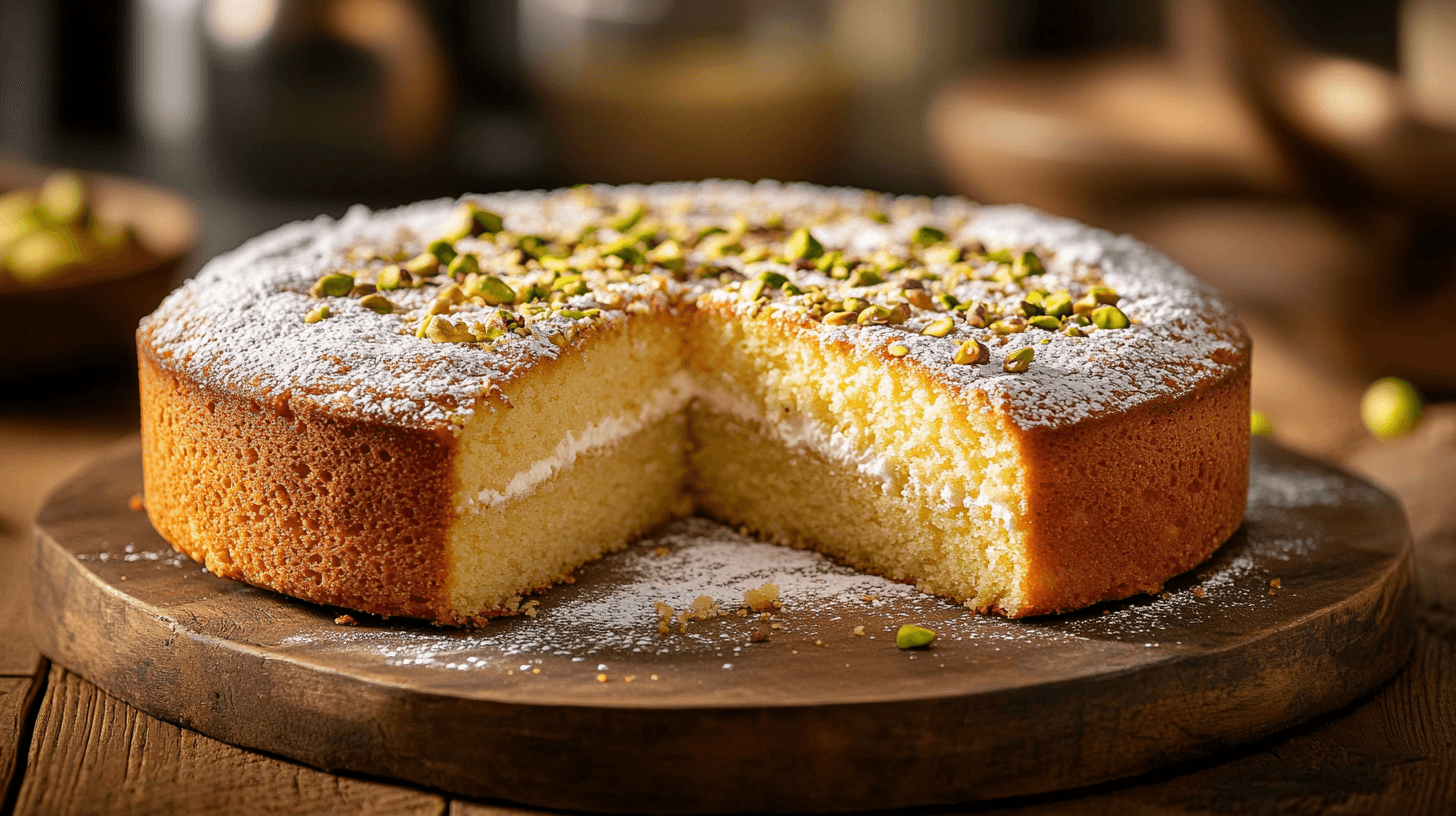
(1393, 752)
(997, 708)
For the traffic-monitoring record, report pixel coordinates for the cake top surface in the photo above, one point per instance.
(371, 316)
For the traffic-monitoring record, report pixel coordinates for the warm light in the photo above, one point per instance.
(240, 25)
(1349, 99)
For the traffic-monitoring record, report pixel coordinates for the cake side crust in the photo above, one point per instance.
(1119, 505)
(332, 511)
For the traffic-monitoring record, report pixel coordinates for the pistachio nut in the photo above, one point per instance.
(1390, 407)
(62, 198)
(443, 250)
(874, 314)
(752, 290)
(1109, 317)
(898, 350)
(840, 318)
(939, 327)
(1019, 360)
(1026, 264)
(970, 352)
(318, 313)
(1259, 424)
(803, 246)
(910, 636)
(335, 285)
(392, 277)
(1057, 304)
(1045, 322)
(925, 236)
(377, 303)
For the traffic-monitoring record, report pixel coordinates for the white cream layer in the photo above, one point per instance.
(802, 431)
(794, 431)
(669, 399)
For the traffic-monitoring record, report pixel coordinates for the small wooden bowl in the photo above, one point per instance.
(89, 317)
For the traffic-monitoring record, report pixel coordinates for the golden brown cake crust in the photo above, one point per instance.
(333, 511)
(1146, 495)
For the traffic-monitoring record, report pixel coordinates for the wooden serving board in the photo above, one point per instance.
(588, 706)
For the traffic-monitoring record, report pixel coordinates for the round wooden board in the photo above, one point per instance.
(818, 718)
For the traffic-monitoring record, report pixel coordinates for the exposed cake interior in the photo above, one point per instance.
(760, 431)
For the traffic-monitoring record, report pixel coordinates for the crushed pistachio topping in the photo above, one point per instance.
(482, 279)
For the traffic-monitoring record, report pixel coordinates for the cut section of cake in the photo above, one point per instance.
(436, 410)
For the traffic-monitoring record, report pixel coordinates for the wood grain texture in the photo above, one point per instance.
(1043, 705)
(19, 656)
(93, 754)
(17, 696)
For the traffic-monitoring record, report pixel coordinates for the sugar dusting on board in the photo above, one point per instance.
(609, 618)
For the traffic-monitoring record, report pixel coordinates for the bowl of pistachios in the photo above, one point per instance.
(83, 256)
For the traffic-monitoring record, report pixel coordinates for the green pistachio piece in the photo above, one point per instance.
(462, 265)
(425, 264)
(668, 255)
(628, 218)
(570, 285)
(533, 245)
(1045, 322)
(803, 246)
(362, 289)
(829, 260)
(62, 198)
(443, 250)
(854, 304)
(1009, 325)
(910, 636)
(878, 217)
(335, 285)
(377, 303)
(840, 318)
(441, 329)
(976, 315)
(392, 277)
(899, 313)
(946, 302)
(1026, 264)
(971, 352)
(874, 314)
(1030, 308)
(528, 292)
(771, 279)
(939, 327)
(1109, 317)
(943, 253)
(41, 253)
(790, 289)
(1390, 407)
(494, 290)
(898, 350)
(865, 276)
(1259, 424)
(752, 290)
(1000, 256)
(572, 313)
(318, 313)
(1019, 360)
(925, 236)
(1104, 294)
(706, 231)
(1057, 304)
(1073, 330)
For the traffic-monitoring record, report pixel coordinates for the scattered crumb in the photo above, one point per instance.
(1107, 611)
(793, 651)
(775, 626)
(629, 678)
(1198, 592)
(762, 599)
(602, 678)
(529, 608)
(345, 620)
(870, 598)
(743, 613)
(661, 550)
(1166, 595)
(535, 671)
(135, 503)
(664, 617)
(859, 631)
(510, 671)
(123, 577)
(818, 643)
(654, 677)
(1276, 583)
(759, 635)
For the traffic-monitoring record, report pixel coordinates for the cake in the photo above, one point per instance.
(436, 410)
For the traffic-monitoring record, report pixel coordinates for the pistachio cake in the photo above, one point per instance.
(435, 410)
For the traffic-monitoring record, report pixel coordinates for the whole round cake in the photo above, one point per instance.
(436, 410)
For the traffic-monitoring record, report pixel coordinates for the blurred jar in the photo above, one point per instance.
(648, 90)
(347, 97)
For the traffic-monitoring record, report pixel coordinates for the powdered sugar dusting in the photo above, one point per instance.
(239, 325)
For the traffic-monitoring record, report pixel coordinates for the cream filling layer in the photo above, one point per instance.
(798, 430)
(665, 401)
(794, 431)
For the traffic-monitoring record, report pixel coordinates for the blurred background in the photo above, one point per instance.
(1298, 154)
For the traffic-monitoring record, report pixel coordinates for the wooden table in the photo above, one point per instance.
(67, 747)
